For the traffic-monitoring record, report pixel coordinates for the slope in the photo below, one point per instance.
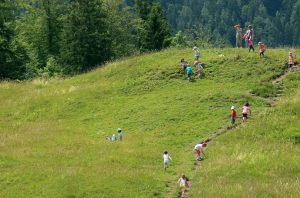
(53, 131)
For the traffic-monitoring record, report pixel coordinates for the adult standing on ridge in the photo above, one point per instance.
(238, 36)
(250, 33)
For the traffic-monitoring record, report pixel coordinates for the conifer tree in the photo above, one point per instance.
(12, 56)
(85, 41)
(157, 30)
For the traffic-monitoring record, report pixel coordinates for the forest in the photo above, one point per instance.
(48, 38)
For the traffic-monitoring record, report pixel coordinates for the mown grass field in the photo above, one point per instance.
(53, 132)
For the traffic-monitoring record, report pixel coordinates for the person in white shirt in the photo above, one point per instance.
(199, 149)
(166, 158)
(183, 184)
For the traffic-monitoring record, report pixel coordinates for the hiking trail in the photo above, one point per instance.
(273, 101)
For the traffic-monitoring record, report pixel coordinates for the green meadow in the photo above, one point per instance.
(52, 131)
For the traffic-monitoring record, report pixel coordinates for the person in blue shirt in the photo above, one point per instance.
(113, 138)
(189, 71)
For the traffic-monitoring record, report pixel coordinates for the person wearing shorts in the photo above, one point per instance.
(197, 53)
(166, 158)
(183, 184)
(246, 111)
(198, 150)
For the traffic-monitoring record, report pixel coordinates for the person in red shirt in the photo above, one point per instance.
(251, 44)
(233, 116)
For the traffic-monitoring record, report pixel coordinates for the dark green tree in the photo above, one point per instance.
(12, 56)
(157, 31)
(85, 40)
(143, 8)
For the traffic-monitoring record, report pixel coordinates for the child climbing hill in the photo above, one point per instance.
(189, 71)
(262, 49)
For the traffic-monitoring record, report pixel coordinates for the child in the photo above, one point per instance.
(197, 53)
(166, 158)
(246, 110)
(199, 149)
(246, 40)
(291, 60)
(250, 43)
(183, 64)
(113, 138)
(120, 134)
(189, 71)
(200, 69)
(262, 49)
(183, 184)
(233, 116)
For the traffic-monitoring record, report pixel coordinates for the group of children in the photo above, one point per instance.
(114, 138)
(187, 69)
(199, 148)
(245, 112)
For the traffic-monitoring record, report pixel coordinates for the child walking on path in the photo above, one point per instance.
(166, 158)
(246, 111)
(291, 60)
(183, 184)
(262, 49)
(233, 116)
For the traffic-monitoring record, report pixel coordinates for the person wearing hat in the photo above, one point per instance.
(291, 60)
(233, 116)
(197, 53)
(262, 49)
(238, 36)
(120, 134)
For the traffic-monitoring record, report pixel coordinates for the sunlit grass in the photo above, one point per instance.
(53, 131)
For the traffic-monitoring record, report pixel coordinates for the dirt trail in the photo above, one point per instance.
(273, 102)
(286, 73)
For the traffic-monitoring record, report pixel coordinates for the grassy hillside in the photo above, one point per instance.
(53, 132)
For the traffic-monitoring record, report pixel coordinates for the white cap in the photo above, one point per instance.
(232, 107)
(194, 48)
(119, 129)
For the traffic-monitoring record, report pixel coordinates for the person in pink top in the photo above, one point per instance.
(246, 111)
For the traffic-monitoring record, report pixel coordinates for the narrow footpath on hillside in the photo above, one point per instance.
(214, 135)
